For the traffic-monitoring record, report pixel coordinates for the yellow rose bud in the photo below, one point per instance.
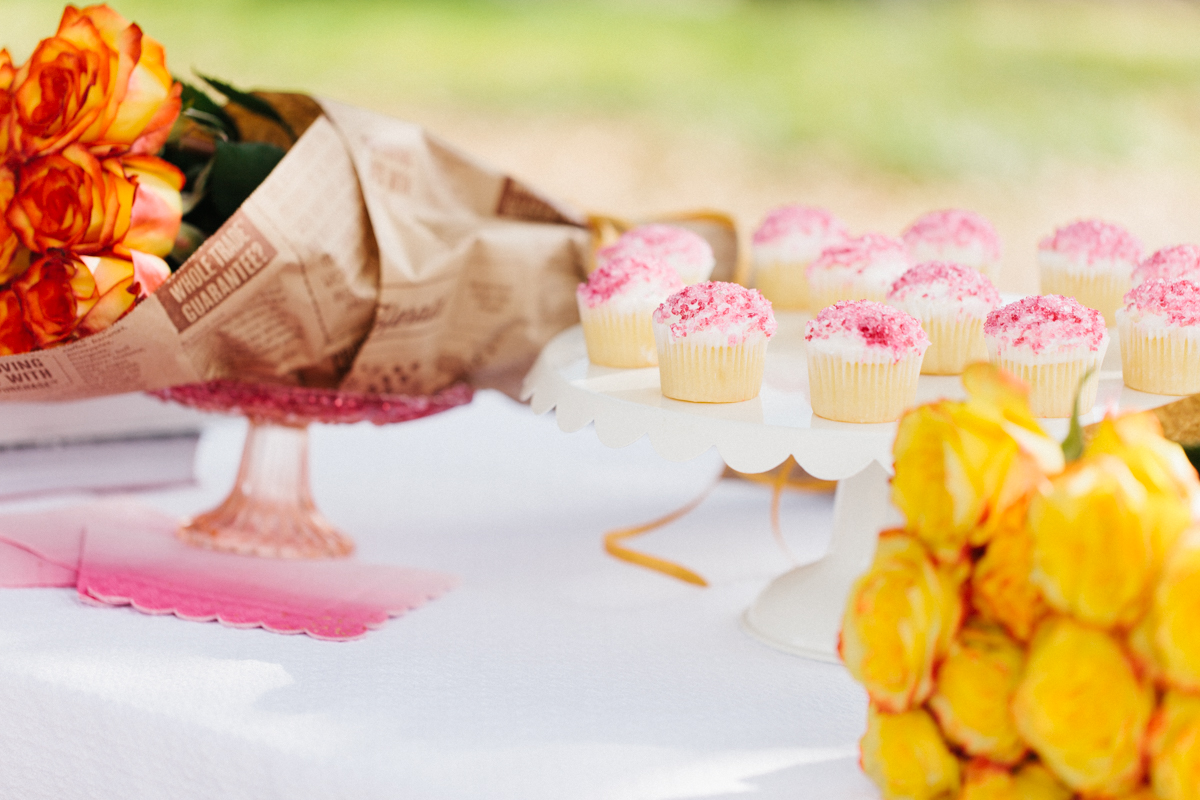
(1081, 707)
(987, 781)
(1092, 554)
(1176, 614)
(975, 685)
(906, 757)
(961, 465)
(1175, 748)
(1000, 587)
(900, 619)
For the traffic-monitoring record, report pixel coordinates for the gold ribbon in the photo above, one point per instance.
(778, 479)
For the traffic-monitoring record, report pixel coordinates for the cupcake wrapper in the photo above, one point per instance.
(1052, 387)
(1103, 292)
(852, 391)
(953, 343)
(618, 340)
(702, 374)
(826, 290)
(784, 284)
(1158, 361)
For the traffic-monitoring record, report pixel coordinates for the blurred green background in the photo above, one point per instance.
(1030, 112)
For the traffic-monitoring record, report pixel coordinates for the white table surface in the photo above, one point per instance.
(553, 672)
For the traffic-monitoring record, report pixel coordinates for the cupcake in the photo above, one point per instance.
(788, 239)
(1050, 342)
(1181, 262)
(712, 342)
(1091, 261)
(1160, 337)
(863, 361)
(862, 268)
(615, 307)
(951, 301)
(680, 249)
(961, 237)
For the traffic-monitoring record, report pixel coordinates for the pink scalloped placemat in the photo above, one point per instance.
(121, 553)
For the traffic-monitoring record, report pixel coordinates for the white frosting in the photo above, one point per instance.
(973, 255)
(1056, 261)
(880, 273)
(710, 337)
(938, 299)
(795, 248)
(1071, 350)
(850, 347)
(689, 271)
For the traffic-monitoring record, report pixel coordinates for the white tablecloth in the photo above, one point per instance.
(553, 672)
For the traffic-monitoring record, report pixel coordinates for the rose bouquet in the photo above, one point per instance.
(1030, 632)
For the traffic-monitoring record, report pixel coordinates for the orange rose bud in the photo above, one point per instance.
(899, 621)
(1081, 707)
(56, 292)
(7, 74)
(8, 239)
(71, 200)
(907, 758)
(1093, 556)
(987, 781)
(1175, 748)
(157, 207)
(115, 287)
(1000, 587)
(1175, 614)
(15, 337)
(975, 685)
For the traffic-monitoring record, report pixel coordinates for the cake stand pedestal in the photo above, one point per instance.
(800, 611)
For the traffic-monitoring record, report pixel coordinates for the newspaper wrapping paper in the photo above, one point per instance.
(374, 258)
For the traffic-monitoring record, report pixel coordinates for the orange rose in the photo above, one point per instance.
(8, 239)
(56, 292)
(157, 206)
(7, 74)
(115, 289)
(72, 86)
(71, 200)
(14, 336)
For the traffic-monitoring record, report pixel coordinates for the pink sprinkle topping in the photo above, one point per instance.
(874, 324)
(1042, 320)
(625, 273)
(659, 242)
(1170, 264)
(715, 305)
(800, 220)
(956, 282)
(954, 227)
(859, 253)
(1091, 240)
(1178, 301)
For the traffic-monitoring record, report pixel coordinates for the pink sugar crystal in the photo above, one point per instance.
(873, 324)
(859, 253)
(1170, 264)
(791, 220)
(717, 306)
(956, 228)
(659, 241)
(1178, 301)
(958, 281)
(1091, 240)
(628, 272)
(1043, 320)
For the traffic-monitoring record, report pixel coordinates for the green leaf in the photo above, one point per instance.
(1072, 446)
(199, 106)
(255, 105)
(238, 169)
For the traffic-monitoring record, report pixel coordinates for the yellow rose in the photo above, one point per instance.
(1081, 707)
(900, 619)
(974, 689)
(961, 465)
(1142, 650)
(1001, 590)
(987, 781)
(1092, 554)
(906, 757)
(1175, 748)
(1176, 614)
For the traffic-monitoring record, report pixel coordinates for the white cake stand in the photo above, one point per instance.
(800, 611)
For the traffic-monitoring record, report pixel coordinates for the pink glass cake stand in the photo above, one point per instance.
(270, 511)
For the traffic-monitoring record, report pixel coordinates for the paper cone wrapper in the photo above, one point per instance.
(824, 291)
(784, 284)
(1052, 387)
(1103, 292)
(855, 391)
(1160, 360)
(954, 342)
(705, 374)
(614, 339)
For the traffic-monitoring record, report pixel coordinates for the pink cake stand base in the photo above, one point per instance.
(270, 511)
